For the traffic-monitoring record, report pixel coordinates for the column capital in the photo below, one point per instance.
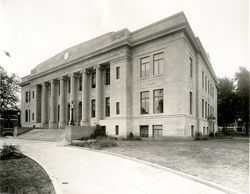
(72, 75)
(84, 71)
(61, 78)
(44, 83)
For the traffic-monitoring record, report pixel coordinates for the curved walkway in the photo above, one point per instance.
(80, 171)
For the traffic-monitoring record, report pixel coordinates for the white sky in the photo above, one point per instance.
(35, 30)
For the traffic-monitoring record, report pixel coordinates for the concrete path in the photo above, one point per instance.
(80, 171)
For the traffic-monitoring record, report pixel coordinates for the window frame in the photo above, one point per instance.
(158, 97)
(147, 100)
(93, 79)
(117, 108)
(107, 76)
(117, 70)
(107, 106)
(159, 63)
(93, 108)
(144, 66)
(144, 128)
(117, 130)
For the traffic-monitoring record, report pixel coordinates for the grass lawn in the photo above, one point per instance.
(24, 175)
(225, 162)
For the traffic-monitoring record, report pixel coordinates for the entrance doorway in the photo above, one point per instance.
(157, 131)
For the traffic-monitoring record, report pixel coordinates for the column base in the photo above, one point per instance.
(84, 123)
(44, 125)
(61, 125)
(52, 125)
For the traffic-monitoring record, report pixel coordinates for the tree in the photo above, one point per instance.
(9, 88)
(227, 102)
(242, 91)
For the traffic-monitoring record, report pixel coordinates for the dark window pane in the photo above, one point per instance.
(107, 76)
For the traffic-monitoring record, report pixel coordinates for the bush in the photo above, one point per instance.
(99, 132)
(211, 134)
(131, 136)
(204, 137)
(197, 136)
(10, 151)
(219, 135)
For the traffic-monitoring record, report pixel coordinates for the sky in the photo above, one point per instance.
(32, 31)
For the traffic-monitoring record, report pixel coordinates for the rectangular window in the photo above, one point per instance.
(202, 112)
(117, 108)
(26, 116)
(93, 79)
(80, 83)
(117, 130)
(26, 96)
(190, 103)
(158, 64)
(29, 95)
(33, 116)
(144, 102)
(205, 83)
(202, 79)
(208, 109)
(205, 109)
(204, 131)
(33, 94)
(117, 72)
(208, 84)
(58, 112)
(191, 67)
(69, 86)
(59, 88)
(93, 108)
(108, 76)
(144, 67)
(29, 115)
(157, 131)
(158, 101)
(107, 106)
(192, 131)
(144, 131)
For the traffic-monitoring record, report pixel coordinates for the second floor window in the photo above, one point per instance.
(158, 64)
(144, 67)
(117, 72)
(80, 83)
(107, 76)
(26, 96)
(158, 101)
(144, 102)
(118, 108)
(190, 103)
(191, 67)
(202, 79)
(69, 86)
(93, 79)
(202, 111)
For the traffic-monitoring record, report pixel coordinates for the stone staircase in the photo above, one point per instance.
(44, 135)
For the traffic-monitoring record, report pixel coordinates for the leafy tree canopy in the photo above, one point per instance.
(9, 89)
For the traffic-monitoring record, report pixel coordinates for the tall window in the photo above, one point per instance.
(144, 131)
(58, 112)
(202, 112)
(117, 108)
(93, 108)
(205, 109)
(144, 67)
(208, 109)
(26, 96)
(33, 116)
(29, 115)
(59, 88)
(206, 83)
(69, 86)
(93, 79)
(158, 64)
(117, 129)
(117, 72)
(107, 106)
(191, 67)
(108, 76)
(80, 83)
(33, 94)
(202, 79)
(158, 101)
(29, 95)
(68, 111)
(144, 102)
(26, 116)
(190, 103)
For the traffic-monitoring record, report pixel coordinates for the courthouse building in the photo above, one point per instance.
(156, 81)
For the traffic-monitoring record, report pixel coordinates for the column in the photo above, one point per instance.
(52, 105)
(98, 93)
(62, 105)
(84, 120)
(72, 98)
(44, 106)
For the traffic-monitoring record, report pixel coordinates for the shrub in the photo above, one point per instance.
(197, 136)
(131, 136)
(211, 134)
(204, 137)
(10, 151)
(99, 132)
(219, 135)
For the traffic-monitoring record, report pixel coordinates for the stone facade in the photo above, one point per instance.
(155, 82)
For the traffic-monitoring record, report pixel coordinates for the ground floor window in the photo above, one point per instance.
(192, 130)
(26, 116)
(144, 131)
(157, 131)
(93, 108)
(117, 130)
(203, 130)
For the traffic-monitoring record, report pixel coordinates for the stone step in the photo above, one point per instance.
(44, 135)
